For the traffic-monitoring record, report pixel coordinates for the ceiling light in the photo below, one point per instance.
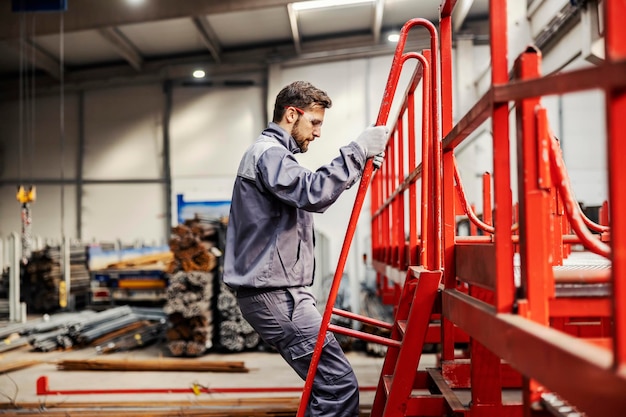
(393, 37)
(198, 74)
(135, 2)
(322, 4)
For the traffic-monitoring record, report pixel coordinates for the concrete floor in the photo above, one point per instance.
(18, 388)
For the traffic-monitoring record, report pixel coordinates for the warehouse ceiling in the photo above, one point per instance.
(95, 41)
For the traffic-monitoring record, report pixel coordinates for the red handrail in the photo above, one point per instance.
(394, 75)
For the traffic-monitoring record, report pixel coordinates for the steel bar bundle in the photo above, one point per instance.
(161, 364)
(82, 329)
(42, 278)
(188, 306)
(202, 311)
(142, 334)
(12, 342)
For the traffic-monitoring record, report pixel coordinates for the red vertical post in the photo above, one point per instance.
(534, 198)
(505, 288)
(386, 214)
(485, 371)
(535, 223)
(400, 197)
(448, 191)
(487, 211)
(392, 160)
(374, 220)
(473, 229)
(426, 212)
(615, 50)
(412, 161)
(604, 214)
(556, 210)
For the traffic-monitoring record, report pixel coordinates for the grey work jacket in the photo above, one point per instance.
(269, 240)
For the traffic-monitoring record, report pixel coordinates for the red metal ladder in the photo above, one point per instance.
(393, 397)
(399, 374)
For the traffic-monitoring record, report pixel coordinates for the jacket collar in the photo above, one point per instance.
(275, 131)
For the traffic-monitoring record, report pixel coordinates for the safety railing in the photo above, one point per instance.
(513, 311)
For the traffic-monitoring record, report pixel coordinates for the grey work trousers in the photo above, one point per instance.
(288, 320)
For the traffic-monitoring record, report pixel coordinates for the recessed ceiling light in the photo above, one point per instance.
(393, 37)
(135, 2)
(198, 74)
(322, 4)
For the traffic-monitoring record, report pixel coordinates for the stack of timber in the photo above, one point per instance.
(43, 283)
(161, 364)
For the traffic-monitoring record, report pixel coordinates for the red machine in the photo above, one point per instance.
(543, 340)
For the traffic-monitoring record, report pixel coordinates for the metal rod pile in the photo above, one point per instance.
(42, 277)
(203, 312)
(188, 307)
(190, 294)
(67, 330)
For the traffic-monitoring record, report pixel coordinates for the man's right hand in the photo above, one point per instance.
(373, 140)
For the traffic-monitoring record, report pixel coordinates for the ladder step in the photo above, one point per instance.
(419, 405)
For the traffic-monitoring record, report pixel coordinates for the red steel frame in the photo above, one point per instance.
(516, 328)
(517, 336)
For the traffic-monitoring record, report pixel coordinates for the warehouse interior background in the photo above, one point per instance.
(103, 115)
(129, 115)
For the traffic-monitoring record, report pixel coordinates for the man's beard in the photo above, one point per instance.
(303, 142)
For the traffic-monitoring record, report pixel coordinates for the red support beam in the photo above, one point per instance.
(580, 372)
(615, 51)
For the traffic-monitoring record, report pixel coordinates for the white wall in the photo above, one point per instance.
(30, 147)
(123, 141)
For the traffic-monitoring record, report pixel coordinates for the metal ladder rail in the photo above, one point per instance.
(387, 197)
(394, 75)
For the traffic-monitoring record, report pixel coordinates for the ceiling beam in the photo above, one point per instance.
(208, 36)
(377, 23)
(94, 14)
(234, 64)
(295, 31)
(123, 46)
(460, 12)
(37, 57)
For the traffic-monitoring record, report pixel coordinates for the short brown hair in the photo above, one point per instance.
(301, 94)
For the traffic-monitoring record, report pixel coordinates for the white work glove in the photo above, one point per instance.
(373, 140)
(378, 160)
